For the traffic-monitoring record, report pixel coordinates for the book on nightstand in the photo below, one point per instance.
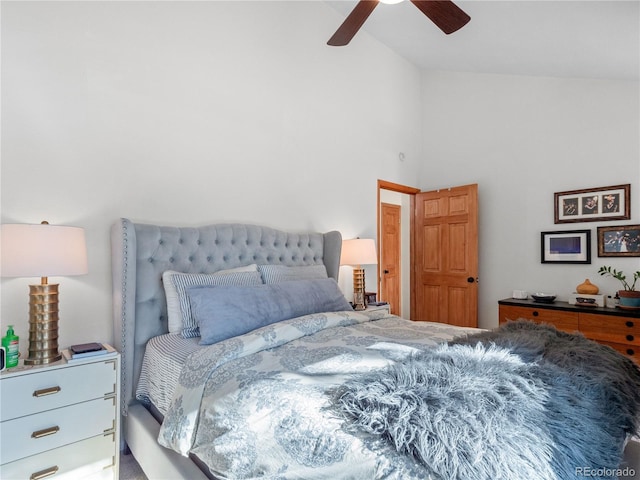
(81, 352)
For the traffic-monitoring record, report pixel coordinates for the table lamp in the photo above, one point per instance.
(358, 252)
(42, 251)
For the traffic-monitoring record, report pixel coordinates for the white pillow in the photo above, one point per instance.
(177, 300)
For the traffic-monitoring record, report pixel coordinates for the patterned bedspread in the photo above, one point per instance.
(257, 405)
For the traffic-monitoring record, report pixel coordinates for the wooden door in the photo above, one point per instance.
(445, 255)
(390, 256)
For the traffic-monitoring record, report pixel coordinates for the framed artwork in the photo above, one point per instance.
(593, 204)
(571, 246)
(619, 241)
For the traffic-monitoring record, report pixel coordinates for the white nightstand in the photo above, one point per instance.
(61, 420)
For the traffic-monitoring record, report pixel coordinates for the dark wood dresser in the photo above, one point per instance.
(615, 327)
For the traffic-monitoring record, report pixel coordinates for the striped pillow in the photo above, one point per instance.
(179, 314)
(282, 273)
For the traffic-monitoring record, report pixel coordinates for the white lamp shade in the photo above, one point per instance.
(42, 250)
(358, 251)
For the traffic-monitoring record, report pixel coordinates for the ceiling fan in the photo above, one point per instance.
(447, 16)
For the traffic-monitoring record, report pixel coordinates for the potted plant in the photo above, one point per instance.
(629, 296)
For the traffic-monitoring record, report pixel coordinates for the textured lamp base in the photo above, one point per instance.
(43, 325)
(358, 289)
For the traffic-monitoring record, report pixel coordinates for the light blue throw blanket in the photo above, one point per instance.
(523, 402)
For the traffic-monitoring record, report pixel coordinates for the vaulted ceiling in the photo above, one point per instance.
(557, 38)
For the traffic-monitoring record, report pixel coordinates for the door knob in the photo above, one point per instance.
(386, 271)
(471, 279)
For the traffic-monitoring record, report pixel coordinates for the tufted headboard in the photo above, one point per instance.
(140, 253)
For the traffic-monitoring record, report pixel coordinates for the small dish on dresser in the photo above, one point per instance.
(543, 297)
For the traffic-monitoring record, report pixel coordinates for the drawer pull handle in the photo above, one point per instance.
(45, 432)
(46, 391)
(535, 313)
(44, 473)
(629, 324)
(630, 351)
(630, 338)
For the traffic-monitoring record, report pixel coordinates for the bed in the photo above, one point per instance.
(335, 375)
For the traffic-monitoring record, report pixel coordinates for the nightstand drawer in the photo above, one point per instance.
(611, 329)
(94, 456)
(44, 431)
(567, 321)
(48, 389)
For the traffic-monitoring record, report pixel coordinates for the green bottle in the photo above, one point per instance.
(11, 345)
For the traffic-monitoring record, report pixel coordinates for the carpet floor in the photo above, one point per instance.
(129, 469)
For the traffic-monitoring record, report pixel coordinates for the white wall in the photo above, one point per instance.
(522, 139)
(191, 113)
(198, 112)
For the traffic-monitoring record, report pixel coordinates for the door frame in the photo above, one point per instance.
(411, 191)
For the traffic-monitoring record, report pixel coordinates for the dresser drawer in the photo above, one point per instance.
(630, 351)
(608, 328)
(26, 436)
(48, 389)
(567, 321)
(91, 458)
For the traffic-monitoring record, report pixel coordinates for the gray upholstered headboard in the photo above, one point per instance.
(140, 253)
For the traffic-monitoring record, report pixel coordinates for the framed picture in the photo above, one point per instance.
(593, 204)
(572, 246)
(619, 241)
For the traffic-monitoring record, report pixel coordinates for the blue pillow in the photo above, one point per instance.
(224, 312)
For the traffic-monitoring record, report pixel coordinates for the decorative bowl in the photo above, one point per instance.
(543, 297)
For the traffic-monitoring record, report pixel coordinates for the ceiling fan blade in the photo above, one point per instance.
(352, 23)
(447, 16)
